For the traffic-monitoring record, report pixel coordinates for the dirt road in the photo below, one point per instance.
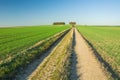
(27, 71)
(84, 64)
(54, 66)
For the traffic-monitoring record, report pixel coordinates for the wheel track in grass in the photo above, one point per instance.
(51, 69)
(29, 69)
(85, 66)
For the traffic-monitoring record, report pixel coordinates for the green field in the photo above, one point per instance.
(106, 41)
(15, 39)
(18, 48)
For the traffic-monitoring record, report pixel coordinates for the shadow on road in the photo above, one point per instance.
(101, 60)
(73, 72)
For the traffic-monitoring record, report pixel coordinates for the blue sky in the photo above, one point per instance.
(40, 12)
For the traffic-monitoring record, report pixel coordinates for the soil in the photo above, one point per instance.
(85, 66)
(28, 70)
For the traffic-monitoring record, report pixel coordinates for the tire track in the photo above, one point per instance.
(52, 68)
(27, 71)
(85, 66)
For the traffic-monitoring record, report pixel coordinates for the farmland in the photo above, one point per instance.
(15, 39)
(106, 40)
(10, 65)
(59, 52)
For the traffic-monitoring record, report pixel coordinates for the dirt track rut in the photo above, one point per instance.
(84, 64)
(27, 71)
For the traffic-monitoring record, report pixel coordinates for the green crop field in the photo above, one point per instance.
(21, 49)
(15, 39)
(106, 41)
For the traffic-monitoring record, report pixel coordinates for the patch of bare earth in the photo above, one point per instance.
(85, 66)
(27, 71)
(53, 66)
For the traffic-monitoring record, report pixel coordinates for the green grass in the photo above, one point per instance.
(15, 39)
(106, 40)
(10, 66)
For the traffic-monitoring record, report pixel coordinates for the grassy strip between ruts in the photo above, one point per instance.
(9, 67)
(56, 66)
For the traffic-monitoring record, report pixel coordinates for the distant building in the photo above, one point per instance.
(59, 23)
(72, 23)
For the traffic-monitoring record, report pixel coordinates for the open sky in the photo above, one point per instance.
(40, 12)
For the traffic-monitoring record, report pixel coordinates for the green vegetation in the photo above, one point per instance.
(11, 65)
(56, 66)
(16, 39)
(106, 41)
